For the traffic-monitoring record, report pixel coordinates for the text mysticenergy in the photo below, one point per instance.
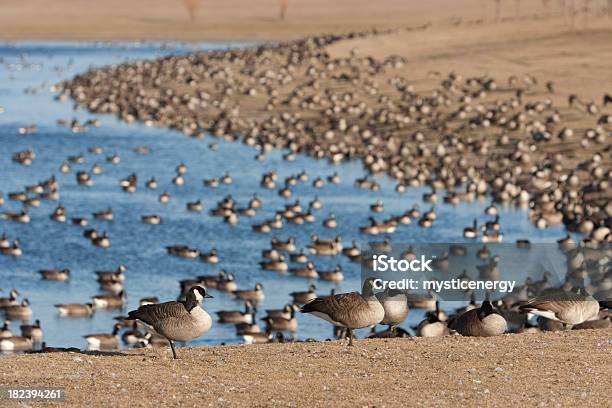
(438, 286)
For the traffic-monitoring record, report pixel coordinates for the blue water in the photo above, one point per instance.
(151, 272)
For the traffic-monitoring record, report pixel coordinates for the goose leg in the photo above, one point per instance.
(350, 343)
(173, 350)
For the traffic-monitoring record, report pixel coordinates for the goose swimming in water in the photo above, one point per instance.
(104, 341)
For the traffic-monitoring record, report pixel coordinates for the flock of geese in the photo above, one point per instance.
(470, 138)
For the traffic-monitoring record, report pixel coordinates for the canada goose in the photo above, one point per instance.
(164, 198)
(377, 207)
(211, 257)
(330, 222)
(471, 232)
(325, 247)
(353, 252)
(237, 316)
(96, 169)
(55, 274)
(212, 281)
(22, 217)
(334, 276)
(483, 322)
(151, 184)
(566, 307)
(281, 324)
(285, 312)
(492, 236)
(483, 252)
(75, 309)
(308, 271)
(432, 325)
(287, 246)
(523, 243)
(178, 180)
(16, 343)
(425, 301)
(102, 241)
(13, 250)
(4, 241)
(84, 179)
(105, 215)
(226, 179)
(300, 257)
(491, 210)
(5, 331)
(109, 301)
(65, 167)
(151, 219)
(315, 204)
(177, 320)
(112, 286)
(133, 337)
(279, 265)
(33, 331)
(113, 159)
(181, 168)
(257, 338)
(489, 270)
(395, 304)
(59, 214)
(9, 301)
(334, 178)
(21, 311)
(104, 341)
(256, 295)
(457, 250)
(117, 275)
(195, 206)
(227, 283)
(212, 183)
(350, 310)
(82, 222)
(602, 322)
(304, 297)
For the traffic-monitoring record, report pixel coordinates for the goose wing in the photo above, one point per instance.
(154, 313)
(337, 307)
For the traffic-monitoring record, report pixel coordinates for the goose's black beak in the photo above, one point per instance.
(208, 296)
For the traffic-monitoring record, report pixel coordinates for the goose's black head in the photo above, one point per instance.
(199, 293)
(486, 309)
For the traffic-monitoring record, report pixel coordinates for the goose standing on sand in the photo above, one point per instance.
(350, 310)
(395, 304)
(568, 308)
(177, 320)
(482, 322)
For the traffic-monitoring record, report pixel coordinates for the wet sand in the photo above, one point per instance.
(545, 369)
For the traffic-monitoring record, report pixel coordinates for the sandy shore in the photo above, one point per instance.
(242, 19)
(545, 369)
